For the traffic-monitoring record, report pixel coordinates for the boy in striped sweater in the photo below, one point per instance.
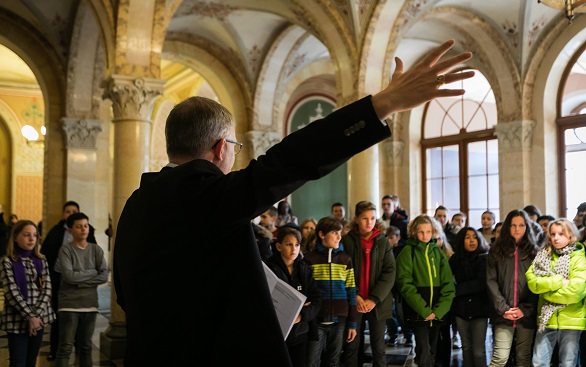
(334, 276)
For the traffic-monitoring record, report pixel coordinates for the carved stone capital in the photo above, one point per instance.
(515, 136)
(394, 152)
(132, 98)
(261, 141)
(81, 133)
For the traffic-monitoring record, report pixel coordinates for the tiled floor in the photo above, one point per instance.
(400, 349)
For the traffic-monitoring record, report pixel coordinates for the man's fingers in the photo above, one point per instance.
(451, 62)
(437, 54)
(454, 77)
(398, 68)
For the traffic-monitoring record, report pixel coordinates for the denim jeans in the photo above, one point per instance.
(503, 339)
(569, 347)
(23, 349)
(75, 328)
(330, 339)
(473, 336)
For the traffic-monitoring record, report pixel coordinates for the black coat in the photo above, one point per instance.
(471, 299)
(302, 280)
(186, 233)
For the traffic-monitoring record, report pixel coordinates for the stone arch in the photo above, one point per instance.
(221, 80)
(542, 84)
(48, 68)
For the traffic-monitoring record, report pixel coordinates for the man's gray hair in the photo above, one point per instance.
(195, 125)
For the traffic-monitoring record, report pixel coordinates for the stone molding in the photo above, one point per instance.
(394, 152)
(261, 141)
(515, 136)
(81, 133)
(132, 97)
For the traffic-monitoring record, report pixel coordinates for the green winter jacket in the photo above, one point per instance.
(425, 281)
(550, 288)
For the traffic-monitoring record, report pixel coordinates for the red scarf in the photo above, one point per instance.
(367, 244)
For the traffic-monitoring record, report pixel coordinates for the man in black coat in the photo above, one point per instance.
(202, 251)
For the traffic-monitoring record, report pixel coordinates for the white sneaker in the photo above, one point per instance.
(456, 342)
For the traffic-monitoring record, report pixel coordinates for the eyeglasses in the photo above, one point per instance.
(237, 148)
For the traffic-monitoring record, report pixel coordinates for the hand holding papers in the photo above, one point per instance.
(287, 300)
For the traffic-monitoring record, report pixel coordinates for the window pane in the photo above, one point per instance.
(435, 194)
(478, 192)
(474, 216)
(492, 147)
(575, 179)
(573, 96)
(434, 163)
(452, 190)
(451, 161)
(493, 192)
(477, 158)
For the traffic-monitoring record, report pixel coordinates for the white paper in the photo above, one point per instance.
(287, 300)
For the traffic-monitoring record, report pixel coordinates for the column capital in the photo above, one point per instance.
(132, 97)
(515, 136)
(394, 152)
(261, 141)
(81, 133)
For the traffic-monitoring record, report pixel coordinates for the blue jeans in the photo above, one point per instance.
(473, 336)
(23, 349)
(503, 339)
(569, 347)
(75, 328)
(330, 339)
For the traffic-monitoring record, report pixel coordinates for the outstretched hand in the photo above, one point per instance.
(420, 84)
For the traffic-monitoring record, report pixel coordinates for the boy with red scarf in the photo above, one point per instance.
(374, 270)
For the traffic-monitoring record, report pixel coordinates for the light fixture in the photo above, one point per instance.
(570, 6)
(32, 135)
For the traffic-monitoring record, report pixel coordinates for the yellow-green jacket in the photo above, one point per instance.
(550, 288)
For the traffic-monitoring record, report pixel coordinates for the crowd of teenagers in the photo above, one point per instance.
(388, 273)
(51, 282)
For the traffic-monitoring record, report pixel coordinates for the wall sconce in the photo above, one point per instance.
(570, 6)
(32, 135)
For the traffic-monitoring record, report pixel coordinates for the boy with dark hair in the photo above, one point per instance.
(83, 267)
(50, 246)
(334, 276)
(338, 211)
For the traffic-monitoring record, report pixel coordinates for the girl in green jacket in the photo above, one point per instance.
(558, 275)
(424, 279)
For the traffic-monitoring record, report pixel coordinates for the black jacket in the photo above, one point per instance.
(302, 280)
(203, 250)
(471, 299)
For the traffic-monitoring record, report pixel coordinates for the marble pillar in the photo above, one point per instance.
(363, 179)
(85, 181)
(132, 101)
(515, 165)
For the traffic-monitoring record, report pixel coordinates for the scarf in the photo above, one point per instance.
(19, 271)
(542, 267)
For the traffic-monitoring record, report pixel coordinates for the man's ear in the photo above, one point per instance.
(220, 149)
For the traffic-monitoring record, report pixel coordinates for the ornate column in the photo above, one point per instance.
(86, 183)
(363, 179)
(261, 141)
(515, 143)
(132, 102)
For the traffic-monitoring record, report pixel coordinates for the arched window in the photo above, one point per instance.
(460, 152)
(572, 136)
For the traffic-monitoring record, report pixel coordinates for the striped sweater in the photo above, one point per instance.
(334, 276)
